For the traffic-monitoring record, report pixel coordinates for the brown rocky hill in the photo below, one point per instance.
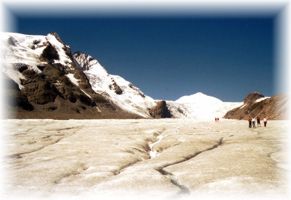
(257, 105)
(161, 110)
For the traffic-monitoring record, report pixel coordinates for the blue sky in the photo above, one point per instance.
(171, 56)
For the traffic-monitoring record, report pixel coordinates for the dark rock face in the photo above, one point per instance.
(252, 97)
(160, 110)
(14, 96)
(272, 108)
(50, 54)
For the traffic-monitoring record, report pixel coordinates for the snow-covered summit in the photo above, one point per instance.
(200, 98)
(200, 106)
(115, 88)
(20, 49)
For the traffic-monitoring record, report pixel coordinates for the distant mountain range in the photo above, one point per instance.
(44, 79)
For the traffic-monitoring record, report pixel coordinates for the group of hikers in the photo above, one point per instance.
(252, 121)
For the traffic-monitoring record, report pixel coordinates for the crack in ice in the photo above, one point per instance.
(78, 170)
(19, 155)
(172, 177)
(122, 168)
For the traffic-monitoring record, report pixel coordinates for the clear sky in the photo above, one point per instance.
(171, 56)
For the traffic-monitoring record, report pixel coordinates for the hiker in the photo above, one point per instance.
(254, 123)
(265, 122)
(258, 121)
(250, 122)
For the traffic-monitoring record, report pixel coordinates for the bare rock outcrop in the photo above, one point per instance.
(160, 110)
(256, 105)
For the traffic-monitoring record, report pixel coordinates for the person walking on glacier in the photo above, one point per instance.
(265, 122)
(258, 121)
(250, 122)
(254, 122)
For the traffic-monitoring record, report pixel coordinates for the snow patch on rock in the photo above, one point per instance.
(261, 99)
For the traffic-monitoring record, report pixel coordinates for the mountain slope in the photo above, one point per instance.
(257, 105)
(44, 81)
(115, 88)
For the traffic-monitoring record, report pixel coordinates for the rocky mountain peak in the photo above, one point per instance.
(252, 97)
(257, 105)
(56, 35)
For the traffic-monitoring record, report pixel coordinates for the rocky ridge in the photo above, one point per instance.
(257, 105)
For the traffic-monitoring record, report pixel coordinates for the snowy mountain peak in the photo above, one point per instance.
(198, 97)
(200, 106)
(33, 51)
